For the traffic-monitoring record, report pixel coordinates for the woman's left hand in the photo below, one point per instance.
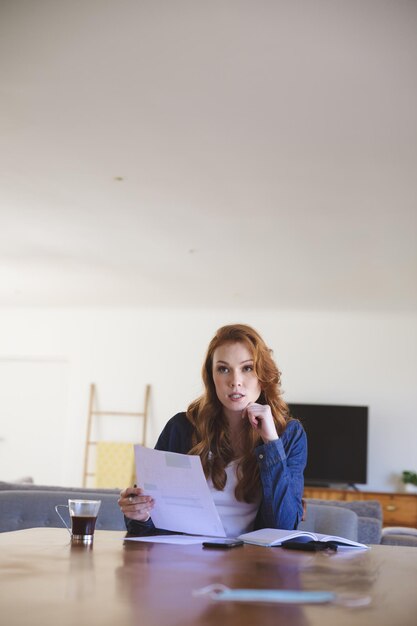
(260, 418)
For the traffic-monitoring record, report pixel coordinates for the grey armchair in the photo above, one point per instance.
(368, 512)
(330, 520)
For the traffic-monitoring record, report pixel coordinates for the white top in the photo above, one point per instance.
(237, 517)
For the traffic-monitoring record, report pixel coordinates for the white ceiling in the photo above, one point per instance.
(247, 153)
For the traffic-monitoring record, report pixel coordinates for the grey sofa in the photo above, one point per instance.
(399, 537)
(23, 486)
(24, 505)
(28, 506)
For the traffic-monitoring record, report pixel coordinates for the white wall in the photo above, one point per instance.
(325, 357)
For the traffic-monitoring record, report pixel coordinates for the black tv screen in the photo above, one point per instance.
(337, 438)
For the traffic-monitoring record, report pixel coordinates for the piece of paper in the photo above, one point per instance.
(183, 501)
(174, 539)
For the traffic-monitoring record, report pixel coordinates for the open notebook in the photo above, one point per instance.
(275, 537)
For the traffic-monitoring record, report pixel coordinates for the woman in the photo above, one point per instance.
(252, 452)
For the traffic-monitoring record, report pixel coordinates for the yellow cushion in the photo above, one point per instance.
(115, 465)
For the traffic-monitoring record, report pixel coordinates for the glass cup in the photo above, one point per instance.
(83, 516)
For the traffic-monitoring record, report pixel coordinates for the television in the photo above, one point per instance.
(337, 439)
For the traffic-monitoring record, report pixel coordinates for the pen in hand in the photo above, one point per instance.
(139, 504)
(132, 495)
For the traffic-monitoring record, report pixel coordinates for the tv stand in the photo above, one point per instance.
(398, 509)
(334, 486)
(353, 486)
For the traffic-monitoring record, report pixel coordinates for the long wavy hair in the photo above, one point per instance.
(211, 438)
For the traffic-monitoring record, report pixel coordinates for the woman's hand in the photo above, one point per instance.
(260, 418)
(135, 504)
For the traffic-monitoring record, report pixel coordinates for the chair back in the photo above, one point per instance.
(330, 520)
(33, 508)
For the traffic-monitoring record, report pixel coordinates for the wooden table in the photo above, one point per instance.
(45, 581)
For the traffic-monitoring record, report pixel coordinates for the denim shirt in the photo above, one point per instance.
(281, 467)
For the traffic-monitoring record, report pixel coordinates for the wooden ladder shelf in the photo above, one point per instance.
(93, 413)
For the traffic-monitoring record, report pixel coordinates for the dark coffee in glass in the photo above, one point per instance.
(83, 515)
(83, 525)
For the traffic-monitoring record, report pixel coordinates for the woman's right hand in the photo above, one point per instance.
(135, 504)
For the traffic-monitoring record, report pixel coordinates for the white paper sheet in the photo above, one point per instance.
(183, 501)
(174, 539)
